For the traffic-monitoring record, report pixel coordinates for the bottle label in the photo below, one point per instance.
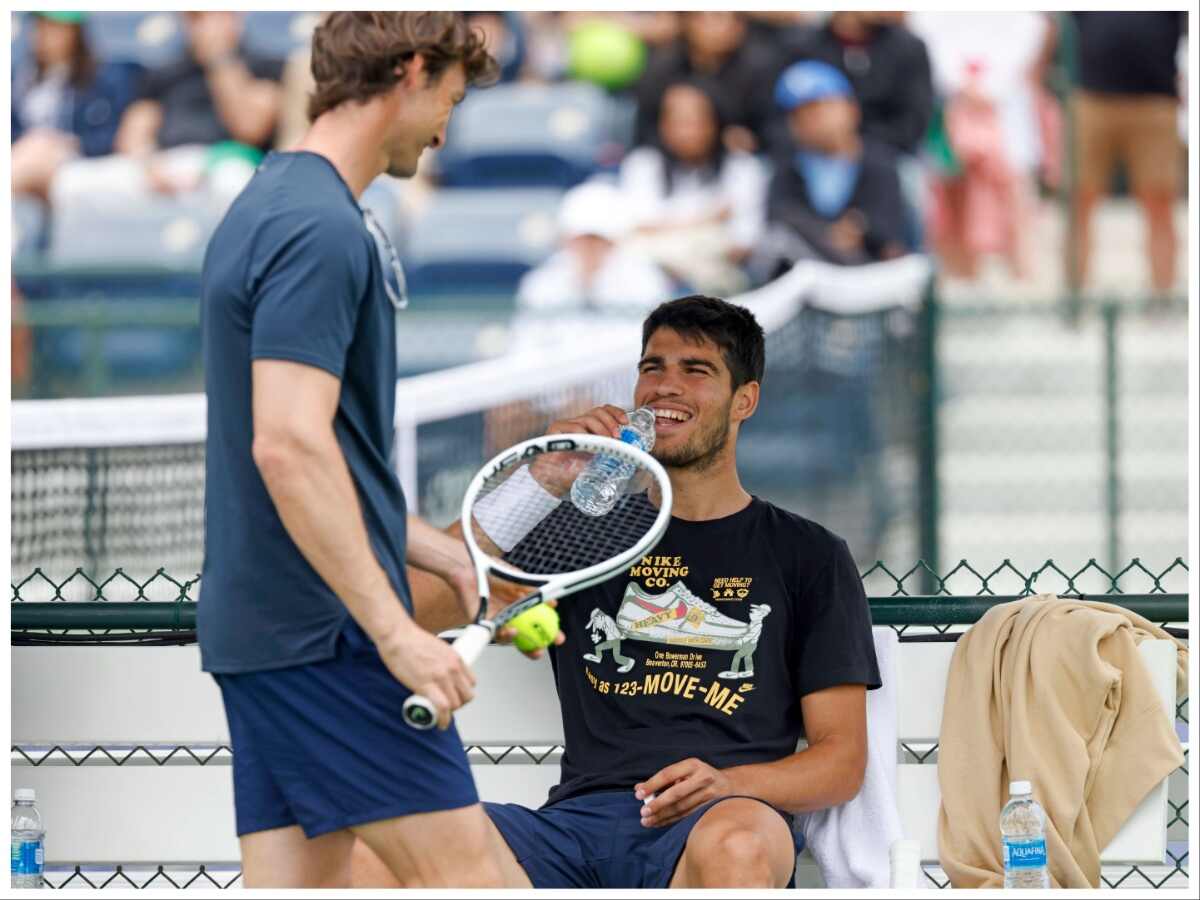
(27, 857)
(631, 436)
(1025, 854)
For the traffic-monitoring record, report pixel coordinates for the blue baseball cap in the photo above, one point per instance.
(804, 82)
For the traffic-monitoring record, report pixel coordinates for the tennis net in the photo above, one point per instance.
(108, 484)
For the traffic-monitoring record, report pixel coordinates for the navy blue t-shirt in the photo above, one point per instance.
(291, 274)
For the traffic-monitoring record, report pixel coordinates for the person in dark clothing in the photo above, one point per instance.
(215, 93)
(757, 613)
(886, 64)
(719, 46)
(1126, 111)
(64, 104)
(835, 195)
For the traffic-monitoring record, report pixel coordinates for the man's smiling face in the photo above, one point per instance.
(687, 383)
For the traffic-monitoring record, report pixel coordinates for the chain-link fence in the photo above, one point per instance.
(1062, 439)
(161, 609)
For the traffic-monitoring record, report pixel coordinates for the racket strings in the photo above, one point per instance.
(524, 516)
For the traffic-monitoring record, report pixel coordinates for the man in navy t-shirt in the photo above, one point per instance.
(305, 614)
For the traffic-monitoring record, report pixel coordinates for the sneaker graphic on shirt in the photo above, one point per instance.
(677, 616)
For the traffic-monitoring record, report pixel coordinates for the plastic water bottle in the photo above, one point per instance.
(905, 857)
(1023, 834)
(28, 836)
(597, 487)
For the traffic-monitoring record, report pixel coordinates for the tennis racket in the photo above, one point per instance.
(519, 524)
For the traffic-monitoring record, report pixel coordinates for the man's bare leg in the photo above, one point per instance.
(285, 858)
(1161, 241)
(1083, 212)
(738, 843)
(457, 848)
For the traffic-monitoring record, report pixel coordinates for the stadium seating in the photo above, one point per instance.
(480, 240)
(277, 34)
(522, 135)
(103, 229)
(147, 38)
(135, 262)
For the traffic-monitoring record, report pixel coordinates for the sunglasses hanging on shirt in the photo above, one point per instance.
(395, 285)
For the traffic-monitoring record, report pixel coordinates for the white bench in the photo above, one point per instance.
(144, 814)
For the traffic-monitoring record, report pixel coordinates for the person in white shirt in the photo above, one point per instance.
(698, 208)
(592, 272)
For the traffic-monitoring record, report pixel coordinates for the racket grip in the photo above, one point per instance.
(469, 645)
(418, 711)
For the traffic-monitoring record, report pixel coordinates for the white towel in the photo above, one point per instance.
(851, 842)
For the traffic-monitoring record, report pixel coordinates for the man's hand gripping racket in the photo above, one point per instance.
(519, 525)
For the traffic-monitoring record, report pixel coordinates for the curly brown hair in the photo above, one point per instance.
(359, 55)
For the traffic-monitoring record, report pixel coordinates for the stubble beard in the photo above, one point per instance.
(704, 449)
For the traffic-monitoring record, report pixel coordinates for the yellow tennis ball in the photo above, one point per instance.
(536, 628)
(605, 53)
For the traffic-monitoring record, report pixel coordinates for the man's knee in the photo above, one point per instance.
(744, 849)
(1159, 205)
(725, 856)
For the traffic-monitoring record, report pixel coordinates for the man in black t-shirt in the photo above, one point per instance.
(745, 628)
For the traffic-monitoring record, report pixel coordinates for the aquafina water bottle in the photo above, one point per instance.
(1023, 834)
(28, 835)
(597, 487)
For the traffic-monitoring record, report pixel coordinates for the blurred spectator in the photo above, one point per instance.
(698, 207)
(64, 103)
(741, 66)
(217, 95)
(592, 272)
(835, 194)
(887, 66)
(778, 24)
(998, 127)
(1125, 111)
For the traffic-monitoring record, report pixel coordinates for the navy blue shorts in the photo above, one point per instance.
(324, 746)
(597, 841)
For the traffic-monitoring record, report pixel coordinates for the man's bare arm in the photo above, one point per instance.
(437, 602)
(827, 773)
(302, 466)
(248, 106)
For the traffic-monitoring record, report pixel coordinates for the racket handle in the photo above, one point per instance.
(418, 711)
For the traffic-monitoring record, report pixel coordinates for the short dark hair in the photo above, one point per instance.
(731, 327)
(360, 55)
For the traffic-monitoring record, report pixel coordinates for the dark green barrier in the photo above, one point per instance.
(937, 610)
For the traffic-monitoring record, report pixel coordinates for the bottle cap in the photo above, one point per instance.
(25, 795)
(905, 849)
(1018, 788)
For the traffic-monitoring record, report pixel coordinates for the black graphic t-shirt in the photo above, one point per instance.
(705, 646)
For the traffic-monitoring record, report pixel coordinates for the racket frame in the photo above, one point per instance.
(418, 711)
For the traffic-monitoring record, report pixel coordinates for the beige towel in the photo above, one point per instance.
(1051, 691)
